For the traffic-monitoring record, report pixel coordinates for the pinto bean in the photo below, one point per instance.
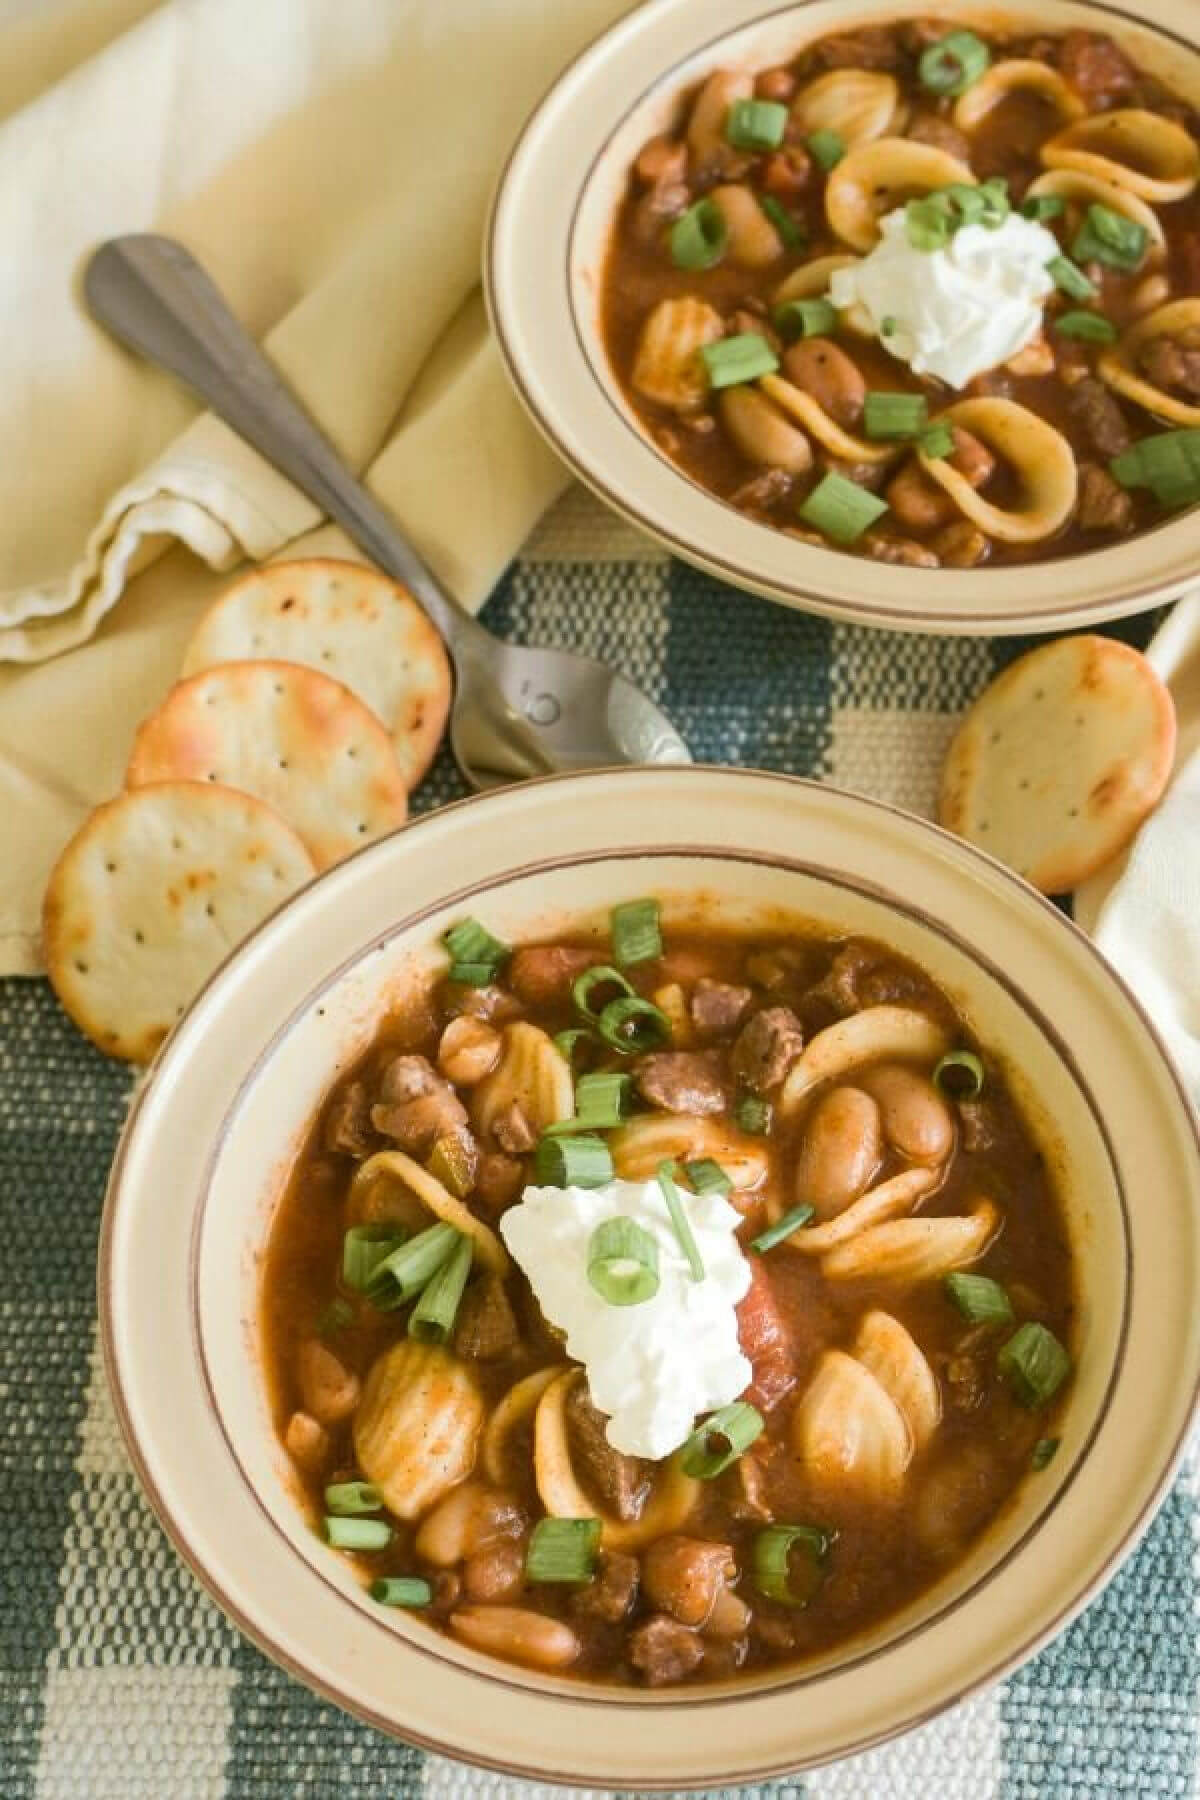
(752, 242)
(470, 1519)
(542, 974)
(329, 1390)
(514, 1632)
(775, 84)
(916, 1120)
(961, 545)
(306, 1441)
(729, 1618)
(683, 1575)
(761, 432)
(788, 173)
(824, 370)
(662, 161)
(494, 1574)
(917, 500)
(1151, 291)
(469, 1050)
(842, 1150)
(709, 151)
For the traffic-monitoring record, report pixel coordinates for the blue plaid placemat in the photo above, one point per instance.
(120, 1680)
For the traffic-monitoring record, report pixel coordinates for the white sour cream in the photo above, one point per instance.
(652, 1367)
(955, 312)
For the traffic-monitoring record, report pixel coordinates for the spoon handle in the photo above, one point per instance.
(154, 296)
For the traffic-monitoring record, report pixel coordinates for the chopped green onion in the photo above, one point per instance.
(357, 1534)
(584, 1162)
(679, 1220)
(1035, 1363)
(364, 1249)
(632, 1024)
(782, 1228)
(954, 63)
(966, 198)
(979, 1299)
(601, 975)
(401, 1590)
(566, 1042)
(622, 1262)
(404, 1273)
(1168, 464)
(792, 234)
(752, 1113)
(636, 932)
(472, 974)
(1044, 1452)
(996, 203)
(453, 1164)
(335, 1317)
(432, 1318)
(1043, 206)
(562, 1550)
(794, 319)
(733, 360)
(959, 1075)
(699, 236)
(719, 1440)
(841, 509)
(756, 124)
(895, 415)
(602, 1102)
(928, 223)
(1109, 237)
(347, 1498)
(1069, 280)
(937, 440)
(1088, 327)
(775, 1573)
(826, 148)
(707, 1177)
(889, 325)
(471, 943)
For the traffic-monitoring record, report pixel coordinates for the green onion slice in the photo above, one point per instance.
(1044, 1452)
(895, 415)
(756, 124)
(959, 1075)
(623, 1262)
(792, 234)
(841, 509)
(1071, 280)
(889, 325)
(928, 223)
(602, 1101)
(633, 1024)
(734, 360)
(404, 1273)
(719, 1440)
(357, 1534)
(471, 942)
(782, 1575)
(979, 1299)
(567, 1042)
(365, 1248)
(583, 1162)
(335, 1317)
(679, 1219)
(472, 974)
(636, 932)
(1035, 1363)
(826, 148)
(707, 1177)
(562, 1550)
(601, 975)
(453, 1164)
(954, 63)
(794, 319)
(1043, 206)
(432, 1318)
(1168, 464)
(753, 1114)
(401, 1590)
(699, 236)
(1109, 237)
(1088, 327)
(782, 1228)
(345, 1499)
(937, 440)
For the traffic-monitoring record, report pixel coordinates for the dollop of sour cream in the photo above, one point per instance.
(654, 1366)
(957, 311)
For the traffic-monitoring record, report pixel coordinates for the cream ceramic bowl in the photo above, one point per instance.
(209, 1144)
(546, 247)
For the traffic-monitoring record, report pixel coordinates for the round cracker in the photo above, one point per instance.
(288, 735)
(150, 895)
(347, 621)
(1060, 760)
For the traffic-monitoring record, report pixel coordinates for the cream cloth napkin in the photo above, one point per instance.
(330, 162)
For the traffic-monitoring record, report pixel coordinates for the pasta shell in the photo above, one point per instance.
(1040, 455)
(886, 1349)
(811, 280)
(639, 1147)
(849, 1433)
(709, 150)
(865, 1037)
(801, 406)
(889, 1200)
(1089, 190)
(673, 1497)
(762, 434)
(1017, 75)
(417, 1426)
(1142, 151)
(751, 242)
(910, 1250)
(1118, 365)
(516, 1406)
(879, 176)
(859, 104)
(533, 1074)
(419, 1193)
(667, 367)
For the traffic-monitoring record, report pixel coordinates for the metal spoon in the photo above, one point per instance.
(518, 711)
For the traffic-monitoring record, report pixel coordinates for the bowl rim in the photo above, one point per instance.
(176, 1047)
(822, 584)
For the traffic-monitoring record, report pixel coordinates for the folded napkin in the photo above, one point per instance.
(330, 162)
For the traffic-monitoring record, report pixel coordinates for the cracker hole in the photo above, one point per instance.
(179, 1010)
(82, 967)
(1072, 812)
(278, 686)
(176, 843)
(139, 937)
(210, 909)
(283, 762)
(256, 642)
(111, 867)
(278, 874)
(362, 830)
(1039, 693)
(1023, 783)
(327, 656)
(995, 738)
(350, 750)
(287, 605)
(211, 776)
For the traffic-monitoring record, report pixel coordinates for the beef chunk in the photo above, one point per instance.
(980, 1126)
(541, 974)
(485, 1327)
(498, 1180)
(416, 1106)
(929, 128)
(612, 1590)
(512, 1130)
(684, 1081)
(620, 1480)
(961, 545)
(1095, 410)
(663, 1650)
(1174, 363)
(874, 47)
(905, 551)
(1103, 504)
(348, 1121)
(762, 491)
(861, 975)
(767, 1047)
(718, 1007)
(1097, 69)
(764, 1339)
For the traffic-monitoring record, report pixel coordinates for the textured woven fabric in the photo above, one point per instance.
(120, 1680)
